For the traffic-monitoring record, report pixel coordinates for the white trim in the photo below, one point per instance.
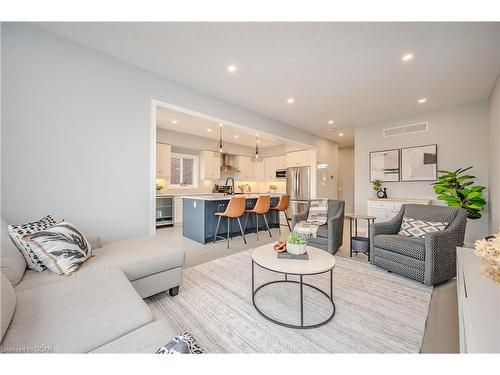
(152, 171)
(152, 188)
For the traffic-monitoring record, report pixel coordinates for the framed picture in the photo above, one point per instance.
(384, 165)
(419, 163)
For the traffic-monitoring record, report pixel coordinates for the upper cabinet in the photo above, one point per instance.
(209, 166)
(298, 158)
(280, 161)
(246, 167)
(163, 152)
(260, 171)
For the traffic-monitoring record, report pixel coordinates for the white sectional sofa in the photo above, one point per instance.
(99, 308)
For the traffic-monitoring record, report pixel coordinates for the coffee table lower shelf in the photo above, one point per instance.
(302, 284)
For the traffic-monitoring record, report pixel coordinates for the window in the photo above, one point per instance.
(184, 171)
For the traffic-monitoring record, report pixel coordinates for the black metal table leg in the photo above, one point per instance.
(331, 285)
(301, 303)
(350, 237)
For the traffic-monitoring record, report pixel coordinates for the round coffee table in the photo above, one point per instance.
(319, 262)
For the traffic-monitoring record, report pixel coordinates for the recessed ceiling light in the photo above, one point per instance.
(422, 100)
(407, 57)
(174, 122)
(331, 122)
(231, 68)
(290, 100)
(341, 134)
(236, 136)
(209, 130)
(221, 124)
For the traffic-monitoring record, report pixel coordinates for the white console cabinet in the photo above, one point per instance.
(478, 306)
(386, 209)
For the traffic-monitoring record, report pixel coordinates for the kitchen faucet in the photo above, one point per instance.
(232, 184)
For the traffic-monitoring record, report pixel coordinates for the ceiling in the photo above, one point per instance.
(185, 123)
(351, 73)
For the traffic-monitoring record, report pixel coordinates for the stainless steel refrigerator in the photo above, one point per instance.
(298, 182)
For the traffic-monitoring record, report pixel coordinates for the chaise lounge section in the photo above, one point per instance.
(98, 308)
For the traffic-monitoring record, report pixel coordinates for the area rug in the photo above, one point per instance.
(376, 312)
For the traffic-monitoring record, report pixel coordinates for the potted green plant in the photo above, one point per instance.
(296, 244)
(457, 190)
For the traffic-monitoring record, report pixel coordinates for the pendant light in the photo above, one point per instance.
(220, 147)
(257, 158)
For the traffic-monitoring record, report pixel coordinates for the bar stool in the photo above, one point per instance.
(262, 207)
(234, 210)
(282, 206)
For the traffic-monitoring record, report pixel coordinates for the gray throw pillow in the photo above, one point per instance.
(419, 228)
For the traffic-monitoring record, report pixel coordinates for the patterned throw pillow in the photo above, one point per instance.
(17, 232)
(61, 248)
(182, 344)
(419, 228)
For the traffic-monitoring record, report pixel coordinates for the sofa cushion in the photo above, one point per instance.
(147, 339)
(136, 257)
(7, 304)
(78, 314)
(61, 248)
(323, 231)
(12, 263)
(410, 246)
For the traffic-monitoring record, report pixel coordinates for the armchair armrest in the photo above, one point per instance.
(301, 216)
(441, 250)
(336, 231)
(387, 227)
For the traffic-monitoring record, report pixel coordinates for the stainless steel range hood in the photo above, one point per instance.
(226, 164)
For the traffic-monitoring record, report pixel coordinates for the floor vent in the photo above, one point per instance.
(407, 129)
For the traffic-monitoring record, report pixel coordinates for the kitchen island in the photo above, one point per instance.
(199, 220)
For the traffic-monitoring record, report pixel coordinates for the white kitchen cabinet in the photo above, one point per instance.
(246, 167)
(209, 166)
(386, 209)
(280, 162)
(259, 171)
(270, 168)
(298, 159)
(163, 152)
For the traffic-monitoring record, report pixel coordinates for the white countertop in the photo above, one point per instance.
(222, 197)
(419, 200)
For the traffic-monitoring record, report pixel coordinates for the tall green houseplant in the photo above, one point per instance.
(457, 190)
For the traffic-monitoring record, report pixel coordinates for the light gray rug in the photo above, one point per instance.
(376, 312)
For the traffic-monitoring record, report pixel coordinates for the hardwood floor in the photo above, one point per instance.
(441, 333)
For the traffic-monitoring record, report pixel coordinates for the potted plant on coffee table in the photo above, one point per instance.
(296, 244)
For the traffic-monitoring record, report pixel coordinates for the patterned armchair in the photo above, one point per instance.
(430, 260)
(329, 236)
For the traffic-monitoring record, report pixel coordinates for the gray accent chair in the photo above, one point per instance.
(329, 236)
(430, 260)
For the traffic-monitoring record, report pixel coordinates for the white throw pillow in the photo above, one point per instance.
(17, 232)
(61, 248)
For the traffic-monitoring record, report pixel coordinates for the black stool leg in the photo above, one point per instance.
(242, 233)
(287, 222)
(257, 225)
(279, 223)
(228, 232)
(217, 229)
(267, 225)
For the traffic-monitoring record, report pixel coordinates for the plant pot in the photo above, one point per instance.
(295, 249)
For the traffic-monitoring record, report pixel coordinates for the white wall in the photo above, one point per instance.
(346, 177)
(76, 132)
(461, 134)
(494, 175)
